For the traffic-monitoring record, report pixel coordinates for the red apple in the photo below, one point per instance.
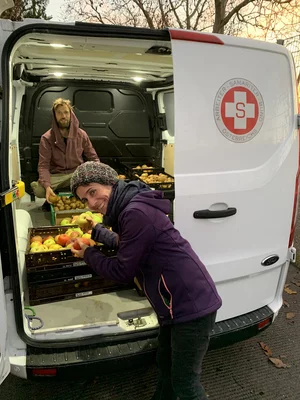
(76, 245)
(62, 239)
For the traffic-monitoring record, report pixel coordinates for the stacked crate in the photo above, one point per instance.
(58, 275)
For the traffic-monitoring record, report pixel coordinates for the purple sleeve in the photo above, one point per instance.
(103, 235)
(136, 241)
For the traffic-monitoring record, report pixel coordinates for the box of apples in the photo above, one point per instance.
(51, 244)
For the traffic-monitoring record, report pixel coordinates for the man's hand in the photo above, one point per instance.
(49, 192)
(81, 245)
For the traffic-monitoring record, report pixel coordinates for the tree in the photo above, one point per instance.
(260, 18)
(27, 9)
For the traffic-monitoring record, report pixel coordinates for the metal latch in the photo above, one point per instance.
(15, 192)
(137, 322)
(292, 254)
(298, 121)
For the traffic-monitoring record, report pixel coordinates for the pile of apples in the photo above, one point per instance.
(81, 220)
(63, 241)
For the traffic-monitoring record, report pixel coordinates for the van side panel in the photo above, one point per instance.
(236, 145)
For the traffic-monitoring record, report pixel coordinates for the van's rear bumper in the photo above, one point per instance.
(69, 363)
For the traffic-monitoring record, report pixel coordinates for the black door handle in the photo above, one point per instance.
(206, 214)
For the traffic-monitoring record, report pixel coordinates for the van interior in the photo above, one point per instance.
(121, 89)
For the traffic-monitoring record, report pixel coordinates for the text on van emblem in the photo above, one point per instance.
(239, 110)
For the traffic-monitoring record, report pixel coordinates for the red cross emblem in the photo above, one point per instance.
(239, 110)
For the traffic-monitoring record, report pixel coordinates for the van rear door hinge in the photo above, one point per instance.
(298, 121)
(292, 254)
(12, 194)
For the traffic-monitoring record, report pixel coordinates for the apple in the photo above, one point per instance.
(76, 245)
(54, 199)
(35, 244)
(55, 246)
(62, 239)
(74, 235)
(49, 242)
(43, 248)
(36, 249)
(66, 221)
(97, 219)
(81, 220)
(36, 239)
(48, 237)
(86, 236)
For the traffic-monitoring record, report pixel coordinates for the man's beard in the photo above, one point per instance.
(64, 124)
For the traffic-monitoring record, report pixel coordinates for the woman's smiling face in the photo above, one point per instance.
(95, 195)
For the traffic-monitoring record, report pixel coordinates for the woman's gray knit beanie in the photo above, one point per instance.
(93, 172)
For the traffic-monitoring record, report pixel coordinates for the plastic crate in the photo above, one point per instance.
(132, 171)
(43, 294)
(48, 258)
(165, 186)
(62, 273)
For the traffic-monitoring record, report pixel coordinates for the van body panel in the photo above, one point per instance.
(221, 163)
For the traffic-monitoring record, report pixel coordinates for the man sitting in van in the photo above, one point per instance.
(61, 151)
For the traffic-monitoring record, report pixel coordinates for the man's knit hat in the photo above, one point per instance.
(93, 172)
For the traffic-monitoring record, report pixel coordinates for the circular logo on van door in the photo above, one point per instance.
(239, 110)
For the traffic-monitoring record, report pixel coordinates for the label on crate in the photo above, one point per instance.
(78, 263)
(82, 294)
(83, 276)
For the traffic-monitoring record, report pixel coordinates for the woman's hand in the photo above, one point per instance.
(91, 222)
(79, 248)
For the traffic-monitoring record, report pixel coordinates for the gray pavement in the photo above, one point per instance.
(239, 372)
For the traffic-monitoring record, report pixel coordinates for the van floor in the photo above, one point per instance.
(85, 311)
(88, 311)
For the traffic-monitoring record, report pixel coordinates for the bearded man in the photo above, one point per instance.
(61, 151)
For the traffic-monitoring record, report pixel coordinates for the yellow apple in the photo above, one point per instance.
(55, 246)
(49, 242)
(35, 244)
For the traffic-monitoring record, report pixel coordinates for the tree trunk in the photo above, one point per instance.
(220, 6)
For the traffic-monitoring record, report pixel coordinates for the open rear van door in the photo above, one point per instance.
(236, 162)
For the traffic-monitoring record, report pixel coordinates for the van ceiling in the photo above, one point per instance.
(46, 56)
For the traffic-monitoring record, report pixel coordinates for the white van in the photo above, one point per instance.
(217, 112)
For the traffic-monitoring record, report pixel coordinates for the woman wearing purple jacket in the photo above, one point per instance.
(175, 281)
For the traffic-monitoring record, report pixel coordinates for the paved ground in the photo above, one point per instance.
(238, 372)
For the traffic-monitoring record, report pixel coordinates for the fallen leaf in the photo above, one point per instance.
(285, 303)
(290, 315)
(278, 363)
(296, 283)
(266, 349)
(286, 285)
(290, 291)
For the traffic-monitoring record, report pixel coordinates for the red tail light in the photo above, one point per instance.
(264, 323)
(44, 372)
(295, 209)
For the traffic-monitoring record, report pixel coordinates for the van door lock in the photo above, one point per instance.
(16, 192)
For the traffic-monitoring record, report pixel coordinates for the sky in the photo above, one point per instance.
(54, 9)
